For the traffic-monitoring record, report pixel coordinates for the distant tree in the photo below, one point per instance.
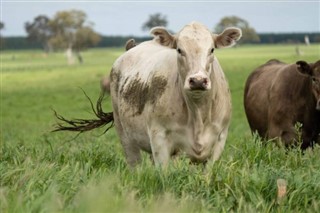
(155, 20)
(249, 34)
(317, 38)
(40, 31)
(1, 39)
(72, 32)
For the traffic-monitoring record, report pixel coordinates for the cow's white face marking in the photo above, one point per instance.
(195, 49)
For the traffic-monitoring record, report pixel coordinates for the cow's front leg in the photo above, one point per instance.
(160, 146)
(216, 150)
(219, 145)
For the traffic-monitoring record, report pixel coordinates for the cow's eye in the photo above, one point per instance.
(314, 80)
(181, 52)
(212, 50)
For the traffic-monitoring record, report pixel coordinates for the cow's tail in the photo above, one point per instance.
(83, 125)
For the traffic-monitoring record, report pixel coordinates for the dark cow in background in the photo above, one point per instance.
(278, 95)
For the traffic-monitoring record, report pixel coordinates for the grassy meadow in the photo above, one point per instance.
(56, 172)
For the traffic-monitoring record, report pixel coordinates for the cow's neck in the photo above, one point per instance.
(302, 88)
(199, 111)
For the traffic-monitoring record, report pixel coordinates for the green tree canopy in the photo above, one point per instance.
(249, 34)
(1, 25)
(68, 30)
(72, 30)
(1, 39)
(39, 31)
(155, 20)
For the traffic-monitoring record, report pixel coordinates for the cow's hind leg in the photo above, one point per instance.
(309, 139)
(286, 135)
(131, 149)
(132, 152)
(289, 137)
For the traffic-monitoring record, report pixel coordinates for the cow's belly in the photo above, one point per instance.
(179, 138)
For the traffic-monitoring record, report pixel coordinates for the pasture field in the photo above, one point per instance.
(56, 172)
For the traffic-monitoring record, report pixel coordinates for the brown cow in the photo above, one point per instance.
(278, 95)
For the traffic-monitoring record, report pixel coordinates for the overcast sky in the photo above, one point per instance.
(127, 17)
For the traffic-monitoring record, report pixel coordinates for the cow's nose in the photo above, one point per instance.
(198, 83)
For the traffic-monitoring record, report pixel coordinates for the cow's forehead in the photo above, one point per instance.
(195, 33)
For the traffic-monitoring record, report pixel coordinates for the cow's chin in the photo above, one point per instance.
(197, 94)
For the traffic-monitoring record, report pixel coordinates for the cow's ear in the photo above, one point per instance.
(227, 38)
(304, 68)
(163, 37)
(131, 43)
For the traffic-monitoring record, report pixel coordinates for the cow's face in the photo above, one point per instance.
(313, 70)
(195, 46)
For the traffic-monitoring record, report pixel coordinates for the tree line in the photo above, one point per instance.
(20, 42)
(72, 32)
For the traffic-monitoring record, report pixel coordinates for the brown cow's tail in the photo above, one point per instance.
(83, 125)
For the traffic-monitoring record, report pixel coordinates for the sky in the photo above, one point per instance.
(126, 17)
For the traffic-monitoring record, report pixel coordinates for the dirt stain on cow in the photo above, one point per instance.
(138, 93)
(115, 77)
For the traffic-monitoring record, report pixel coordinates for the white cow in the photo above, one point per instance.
(170, 95)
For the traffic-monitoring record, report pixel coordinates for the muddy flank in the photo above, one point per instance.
(137, 93)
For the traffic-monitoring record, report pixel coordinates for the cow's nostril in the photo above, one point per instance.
(205, 81)
(198, 83)
(191, 81)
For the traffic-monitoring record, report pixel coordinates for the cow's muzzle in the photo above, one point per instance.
(198, 83)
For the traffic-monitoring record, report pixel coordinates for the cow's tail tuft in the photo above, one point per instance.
(83, 125)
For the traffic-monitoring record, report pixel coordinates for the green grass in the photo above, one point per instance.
(49, 172)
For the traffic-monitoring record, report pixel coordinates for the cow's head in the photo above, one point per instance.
(195, 46)
(312, 70)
